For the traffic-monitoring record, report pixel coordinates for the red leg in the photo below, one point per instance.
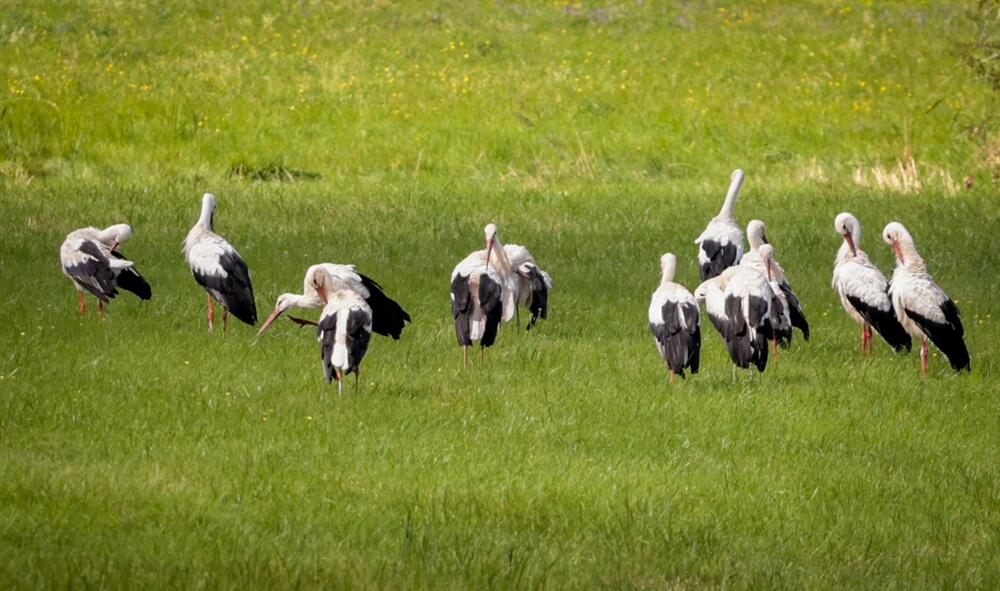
(774, 347)
(211, 314)
(100, 308)
(465, 356)
(225, 319)
(671, 376)
(862, 339)
(923, 356)
(83, 305)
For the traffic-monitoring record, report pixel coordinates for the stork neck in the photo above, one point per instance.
(911, 258)
(669, 270)
(726, 213)
(205, 219)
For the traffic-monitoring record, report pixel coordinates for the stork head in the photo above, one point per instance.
(491, 236)
(766, 252)
(668, 266)
(756, 234)
(115, 235)
(896, 235)
(849, 227)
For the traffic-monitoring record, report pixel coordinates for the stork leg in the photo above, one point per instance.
(923, 356)
(340, 381)
(774, 346)
(465, 356)
(83, 305)
(671, 376)
(868, 339)
(211, 313)
(225, 319)
(100, 309)
(862, 339)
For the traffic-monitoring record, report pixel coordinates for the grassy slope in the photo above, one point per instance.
(143, 449)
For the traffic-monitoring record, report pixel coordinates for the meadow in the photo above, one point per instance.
(142, 451)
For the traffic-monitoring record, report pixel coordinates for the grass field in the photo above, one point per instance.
(143, 451)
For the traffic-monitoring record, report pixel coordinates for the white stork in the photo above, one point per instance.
(738, 303)
(482, 294)
(531, 283)
(921, 306)
(674, 321)
(792, 309)
(864, 290)
(720, 245)
(388, 317)
(343, 331)
(218, 268)
(91, 259)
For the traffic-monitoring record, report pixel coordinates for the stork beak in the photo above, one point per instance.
(274, 316)
(769, 273)
(114, 246)
(489, 251)
(850, 243)
(763, 238)
(897, 250)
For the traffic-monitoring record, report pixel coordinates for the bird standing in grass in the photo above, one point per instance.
(218, 268)
(789, 307)
(720, 245)
(388, 317)
(343, 331)
(674, 321)
(531, 283)
(921, 306)
(864, 290)
(91, 259)
(482, 294)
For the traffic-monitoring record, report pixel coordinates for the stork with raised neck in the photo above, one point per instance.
(720, 245)
(219, 269)
(757, 238)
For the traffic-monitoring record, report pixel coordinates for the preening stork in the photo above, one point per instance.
(720, 245)
(482, 294)
(322, 280)
(864, 290)
(921, 306)
(531, 283)
(792, 309)
(739, 304)
(343, 331)
(674, 321)
(218, 268)
(90, 257)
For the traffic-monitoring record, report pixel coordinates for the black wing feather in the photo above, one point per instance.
(388, 317)
(95, 274)
(947, 336)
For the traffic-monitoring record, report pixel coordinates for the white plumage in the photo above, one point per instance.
(218, 268)
(343, 331)
(482, 293)
(674, 320)
(531, 284)
(321, 280)
(921, 306)
(788, 311)
(720, 245)
(863, 289)
(90, 259)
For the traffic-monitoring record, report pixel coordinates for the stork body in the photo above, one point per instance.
(720, 245)
(738, 303)
(674, 321)
(343, 331)
(531, 283)
(388, 317)
(864, 290)
(788, 308)
(923, 309)
(483, 294)
(219, 269)
(90, 258)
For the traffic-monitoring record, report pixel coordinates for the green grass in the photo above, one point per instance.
(143, 451)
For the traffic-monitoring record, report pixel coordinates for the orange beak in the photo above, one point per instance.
(850, 242)
(274, 316)
(114, 246)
